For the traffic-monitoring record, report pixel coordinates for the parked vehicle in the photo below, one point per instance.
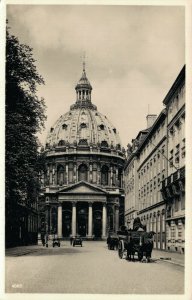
(77, 241)
(137, 242)
(56, 242)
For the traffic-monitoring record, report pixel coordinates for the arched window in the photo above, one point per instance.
(101, 127)
(83, 125)
(104, 144)
(104, 175)
(60, 175)
(64, 126)
(61, 143)
(82, 172)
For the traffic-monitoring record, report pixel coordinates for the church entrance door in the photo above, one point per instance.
(97, 223)
(82, 222)
(66, 223)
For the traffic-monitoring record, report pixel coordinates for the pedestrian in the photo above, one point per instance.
(71, 240)
(46, 240)
(43, 239)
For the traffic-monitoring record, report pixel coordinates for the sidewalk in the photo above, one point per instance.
(169, 257)
(22, 250)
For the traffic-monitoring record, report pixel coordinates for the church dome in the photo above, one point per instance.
(83, 125)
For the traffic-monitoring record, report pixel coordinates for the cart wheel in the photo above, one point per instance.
(121, 249)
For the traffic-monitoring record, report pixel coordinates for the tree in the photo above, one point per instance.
(24, 118)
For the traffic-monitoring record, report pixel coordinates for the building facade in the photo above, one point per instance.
(157, 168)
(173, 187)
(131, 179)
(152, 169)
(82, 188)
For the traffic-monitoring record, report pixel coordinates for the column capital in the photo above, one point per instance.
(74, 203)
(90, 203)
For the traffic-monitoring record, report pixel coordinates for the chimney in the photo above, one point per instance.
(150, 120)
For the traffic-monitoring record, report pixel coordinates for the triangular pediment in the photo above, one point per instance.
(82, 187)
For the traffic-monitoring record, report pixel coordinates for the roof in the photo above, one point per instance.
(177, 83)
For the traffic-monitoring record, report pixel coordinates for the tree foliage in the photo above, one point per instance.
(24, 118)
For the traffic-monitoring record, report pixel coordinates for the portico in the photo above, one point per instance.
(82, 209)
(87, 211)
(88, 221)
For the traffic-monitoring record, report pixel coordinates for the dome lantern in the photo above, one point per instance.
(83, 92)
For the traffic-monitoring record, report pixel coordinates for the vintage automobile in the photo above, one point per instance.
(77, 241)
(112, 241)
(137, 242)
(56, 242)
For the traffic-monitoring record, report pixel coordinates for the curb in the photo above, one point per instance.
(171, 262)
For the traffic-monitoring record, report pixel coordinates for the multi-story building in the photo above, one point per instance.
(83, 183)
(173, 187)
(152, 169)
(155, 173)
(131, 180)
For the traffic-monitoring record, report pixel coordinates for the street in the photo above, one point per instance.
(89, 269)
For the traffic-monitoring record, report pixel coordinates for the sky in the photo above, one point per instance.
(133, 56)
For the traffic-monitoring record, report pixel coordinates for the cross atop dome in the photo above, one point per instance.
(84, 56)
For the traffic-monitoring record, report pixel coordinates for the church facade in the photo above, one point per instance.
(82, 187)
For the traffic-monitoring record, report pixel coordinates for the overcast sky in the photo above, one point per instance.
(134, 54)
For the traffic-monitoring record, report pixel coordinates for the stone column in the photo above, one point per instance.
(53, 175)
(59, 221)
(116, 217)
(91, 173)
(98, 175)
(75, 173)
(74, 218)
(116, 177)
(67, 173)
(111, 176)
(56, 179)
(104, 221)
(90, 221)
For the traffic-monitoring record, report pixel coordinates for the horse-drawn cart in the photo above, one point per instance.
(135, 242)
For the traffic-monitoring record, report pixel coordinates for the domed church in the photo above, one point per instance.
(83, 183)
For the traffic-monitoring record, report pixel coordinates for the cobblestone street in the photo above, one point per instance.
(91, 269)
